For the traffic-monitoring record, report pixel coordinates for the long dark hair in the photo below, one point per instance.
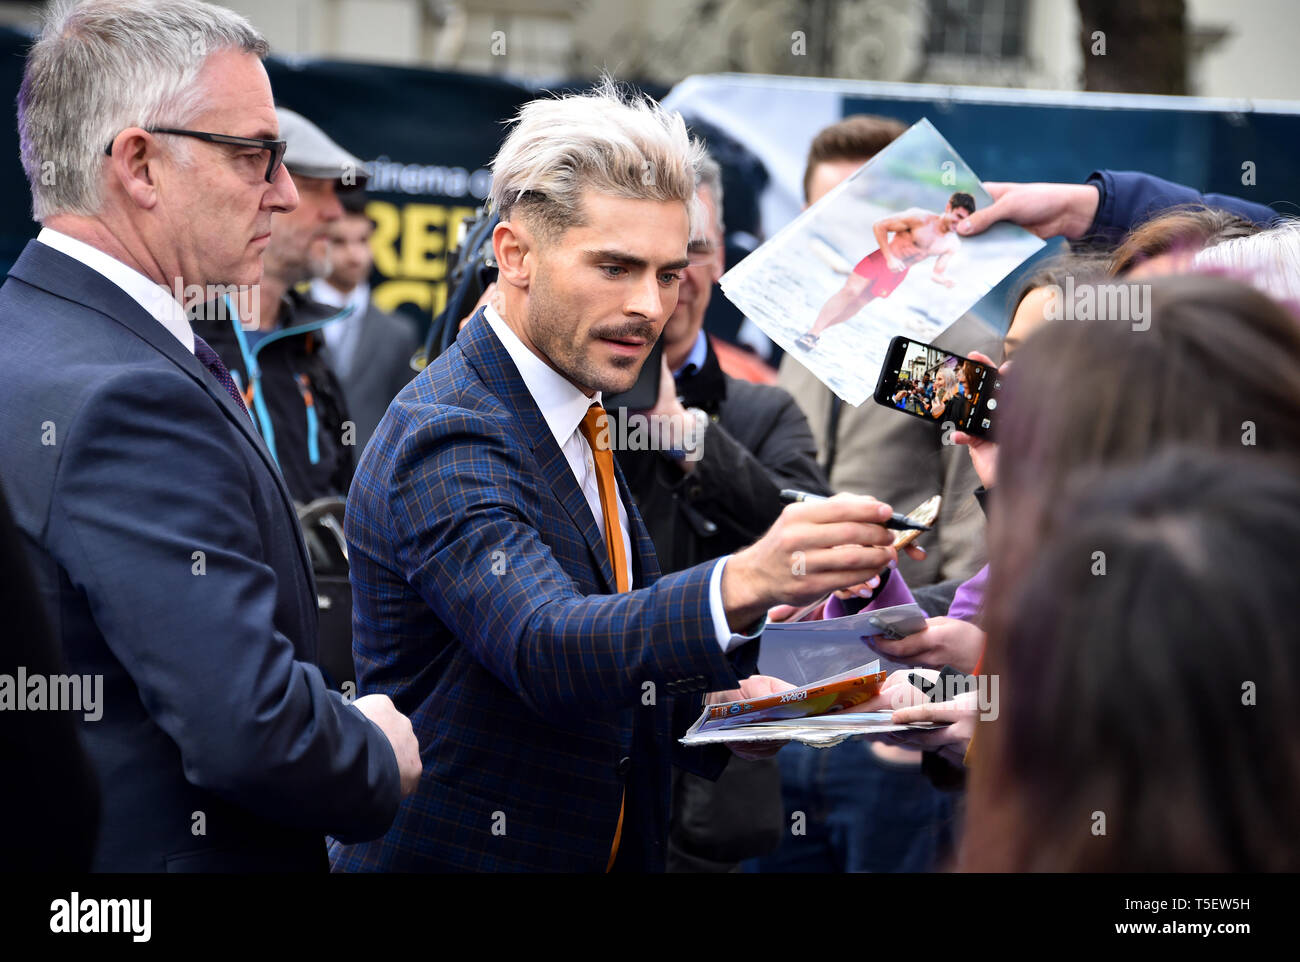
(1147, 663)
(1218, 367)
(1216, 370)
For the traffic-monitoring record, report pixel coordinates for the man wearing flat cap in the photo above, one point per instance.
(272, 339)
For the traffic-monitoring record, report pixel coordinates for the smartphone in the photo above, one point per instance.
(938, 386)
(642, 395)
(895, 623)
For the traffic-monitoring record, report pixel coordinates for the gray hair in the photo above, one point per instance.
(101, 66)
(1270, 260)
(708, 176)
(610, 141)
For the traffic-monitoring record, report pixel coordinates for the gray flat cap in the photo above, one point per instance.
(312, 154)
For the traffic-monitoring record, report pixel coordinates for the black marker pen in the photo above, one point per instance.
(896, 522)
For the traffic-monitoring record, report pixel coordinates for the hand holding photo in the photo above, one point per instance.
(878, 256)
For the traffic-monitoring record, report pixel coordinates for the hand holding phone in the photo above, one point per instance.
(964, 389)
(983, 450)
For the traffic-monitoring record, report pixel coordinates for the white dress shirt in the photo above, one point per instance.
(152, 296)
(341, 337)
(563, 407)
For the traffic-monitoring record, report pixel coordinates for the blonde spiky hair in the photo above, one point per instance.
(611, 141)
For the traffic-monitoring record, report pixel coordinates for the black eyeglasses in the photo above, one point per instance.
(276, 147)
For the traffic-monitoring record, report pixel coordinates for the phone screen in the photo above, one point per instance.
(938, 386)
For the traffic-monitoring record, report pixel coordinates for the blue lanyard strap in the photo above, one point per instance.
(263, 416)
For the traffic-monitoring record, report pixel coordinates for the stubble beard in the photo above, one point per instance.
(550, 325)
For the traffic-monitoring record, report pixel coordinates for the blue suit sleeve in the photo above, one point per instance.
(150, 474)
(464, 527)
(1128, 198)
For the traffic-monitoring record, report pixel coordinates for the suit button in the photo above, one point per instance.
(624, 766)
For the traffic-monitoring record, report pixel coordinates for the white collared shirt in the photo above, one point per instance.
(158, 301)
(341, 336)
(563, 407)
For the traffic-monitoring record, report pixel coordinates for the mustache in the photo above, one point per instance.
(641, 331)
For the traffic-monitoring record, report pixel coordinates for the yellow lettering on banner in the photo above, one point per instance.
(389, 295)
(383, 242)
(410, 244)
(424, 234)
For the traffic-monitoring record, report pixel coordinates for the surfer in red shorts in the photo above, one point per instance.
(917, 235)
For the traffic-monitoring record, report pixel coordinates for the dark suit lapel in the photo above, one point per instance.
(62, 276)
(645, 560)
(488, 356)
(556, 470)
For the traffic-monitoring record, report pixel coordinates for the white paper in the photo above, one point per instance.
(802, 652)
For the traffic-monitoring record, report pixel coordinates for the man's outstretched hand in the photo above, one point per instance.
(1046, 210)
(814, 548)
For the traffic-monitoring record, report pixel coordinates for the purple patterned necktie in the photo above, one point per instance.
(212, 361)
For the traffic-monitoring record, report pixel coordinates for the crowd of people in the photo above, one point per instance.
(538, 614)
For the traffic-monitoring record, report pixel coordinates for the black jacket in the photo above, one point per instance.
(310, 432)
(757, 443)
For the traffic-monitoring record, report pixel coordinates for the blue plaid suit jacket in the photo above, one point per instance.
(484, 606)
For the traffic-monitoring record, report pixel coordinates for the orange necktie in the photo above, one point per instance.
(591, 428)
(596, 433)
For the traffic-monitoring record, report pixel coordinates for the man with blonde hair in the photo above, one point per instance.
(506, 590)
(163, 539)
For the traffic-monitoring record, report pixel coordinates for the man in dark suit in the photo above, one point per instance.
(163, 539)
(506, 593)
(370, 349)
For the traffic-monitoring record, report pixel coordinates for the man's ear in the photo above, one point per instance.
(516, 253)
(133, 165)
